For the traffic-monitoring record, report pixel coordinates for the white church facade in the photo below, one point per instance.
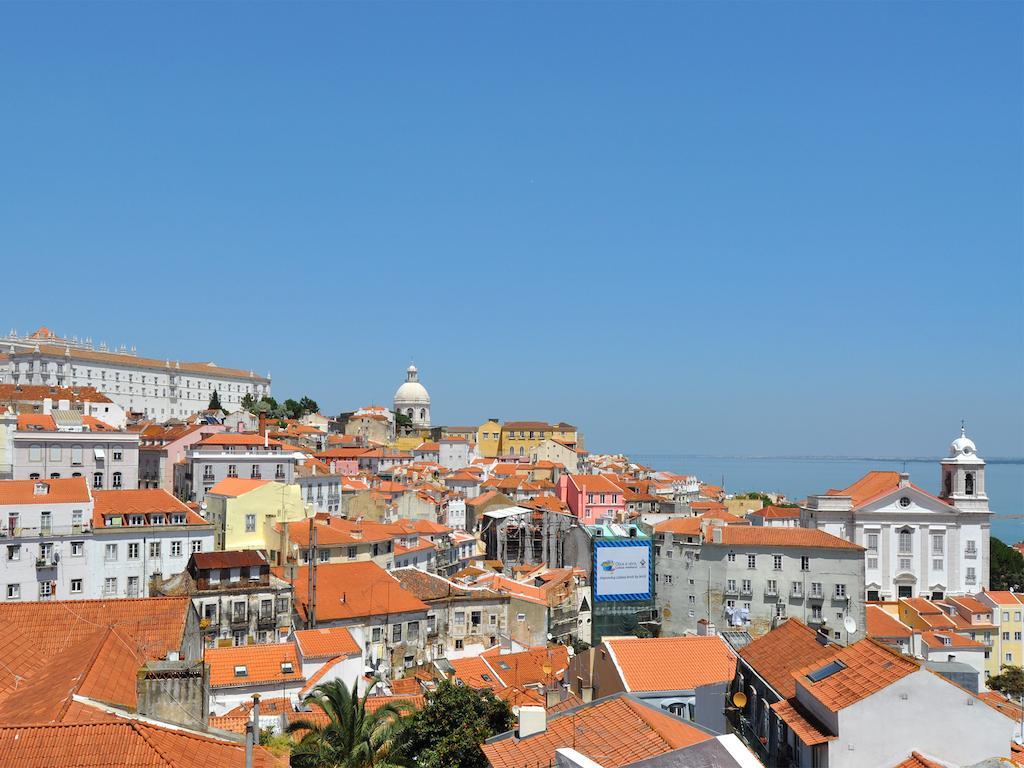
(917, 544)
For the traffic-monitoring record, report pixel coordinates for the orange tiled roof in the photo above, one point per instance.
(620, 730)
(917, 760)
(331, 642)
(121, 743)
(527, 667)
(774, 536)
(949, 640)
(672, 663)
(773, 512)
(474, 672)
(869, 667)
(263, 664)
(39, 392)
(778, 654)
(141, 501)
(69, 490)
(802, 722)
(236, 486)
(882, 624)
(353, 590)
(873, 484)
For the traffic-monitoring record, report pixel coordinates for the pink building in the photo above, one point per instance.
(161, 447)
(593, 498)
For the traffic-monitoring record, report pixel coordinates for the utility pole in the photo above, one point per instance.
(311, 573)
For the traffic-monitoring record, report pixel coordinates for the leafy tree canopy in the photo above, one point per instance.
(449, 730)
(1010, 681)
(1006, 567)
(402, 419)
(215, 402)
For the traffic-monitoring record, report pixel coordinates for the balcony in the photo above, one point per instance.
(239, 621)
(280, 476)
(267, 621)
(731, 590)
(43, 531)
(771, 592)
(971, 554)
(746, 592)
(796, 594)
(45, 562)
(816, 595)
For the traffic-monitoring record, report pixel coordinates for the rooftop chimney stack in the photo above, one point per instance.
(532, 720)
(904, 479)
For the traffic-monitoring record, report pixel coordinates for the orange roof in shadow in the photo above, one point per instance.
(869, 667)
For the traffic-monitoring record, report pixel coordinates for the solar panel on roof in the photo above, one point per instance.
(827, 671)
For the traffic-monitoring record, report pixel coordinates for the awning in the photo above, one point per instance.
(98, 453)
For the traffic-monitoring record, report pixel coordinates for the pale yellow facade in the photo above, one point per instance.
(249, 519)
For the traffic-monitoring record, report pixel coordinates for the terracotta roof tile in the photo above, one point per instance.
(69, 490)
(326, 643)
(773, 536)
(881, 624)
(672, 663)
(778, 654)
(616, 730)
(353, 590)
(236, 486)
(262, 663)
(802, 722)
(868, 667)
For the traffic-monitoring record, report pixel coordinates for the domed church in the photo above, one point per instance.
(413, 400)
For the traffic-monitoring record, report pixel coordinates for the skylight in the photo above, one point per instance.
(827, 671)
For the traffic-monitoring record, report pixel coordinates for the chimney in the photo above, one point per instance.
(904, 479)
(716, 534)
(64, 405)
(532, 720)
(47, 406)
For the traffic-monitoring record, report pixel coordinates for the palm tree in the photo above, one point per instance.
(352, 737)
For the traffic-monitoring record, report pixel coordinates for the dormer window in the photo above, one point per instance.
(157, 519)
(136, 520)
(241, 671)
(287, 668)
(40, 489)
(178, 519)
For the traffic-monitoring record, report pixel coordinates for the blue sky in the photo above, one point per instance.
(745, 228)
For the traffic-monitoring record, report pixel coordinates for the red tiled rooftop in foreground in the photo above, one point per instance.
(326, 643)
(882, 624)
(69, 490)
(869, 667)
(777, 655)
(617, 731)
(672, 663)
(120, 744)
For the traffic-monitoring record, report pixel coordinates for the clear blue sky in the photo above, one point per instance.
(740, 227)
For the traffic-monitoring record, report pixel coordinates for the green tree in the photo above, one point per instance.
(1006, 570)
(402, 419)
(449, 730)
(1009, 681)
(248, 402)
(352, 737)
(292, 409)
(308, 405)
(215, 402)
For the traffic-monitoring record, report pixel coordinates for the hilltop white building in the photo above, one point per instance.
(160, 389)
(917, 544)
(413, 400)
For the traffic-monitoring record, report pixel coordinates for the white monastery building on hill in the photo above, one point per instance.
(160, 389)
(917, 544)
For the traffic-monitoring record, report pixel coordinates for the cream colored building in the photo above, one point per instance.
(245, 512)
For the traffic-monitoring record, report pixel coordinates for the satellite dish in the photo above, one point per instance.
(569, 651)
(850, 625)
(739, 699)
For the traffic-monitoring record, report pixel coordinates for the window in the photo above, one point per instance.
(905, 564)
(745, 586)
(232, 470)
(175, 549)
(45, 590)
(777, 562)
(840, 591)
(97, 479)
(254, 573)
(13, 552)
(133, 550)
(971, 549)
(816, 590)
(250, 523)
(76, 455)
(937, 564)
(117, 480)
(154, 549)
(906, 541)
(351, 553)
(110, 552)
(76, 586)
(376, 635)
(133, 586)
(938, 544)
(772, 587)
(872, 542)
(970, 577)
(805, 563)
(235, 575)
(731, 557)
(14, 591)
(77, 548)
(751, 561)
(197, 546)
(76, 520)
(35, 452)
(730, 585)
(110, 586)
(797, 589)
(969, 484)
(396, 633)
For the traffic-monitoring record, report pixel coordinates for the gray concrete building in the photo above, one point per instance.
(753, 577)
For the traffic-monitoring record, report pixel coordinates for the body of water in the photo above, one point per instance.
(801, 477)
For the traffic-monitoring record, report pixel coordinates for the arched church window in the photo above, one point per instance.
(947, 483)
(408, 412)
(423, 413)
(969, 483)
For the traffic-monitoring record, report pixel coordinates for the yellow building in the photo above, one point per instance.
(1008, 617)
(244, 513)
(488, 439)
(522, 438)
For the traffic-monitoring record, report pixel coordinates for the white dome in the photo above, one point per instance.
(412, 392)
(963, 445)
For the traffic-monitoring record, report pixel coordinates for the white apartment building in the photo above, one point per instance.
(141, 534)
(160, 389)
(916, 544)
(60, 542)
(231, 454)
(66, 443)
